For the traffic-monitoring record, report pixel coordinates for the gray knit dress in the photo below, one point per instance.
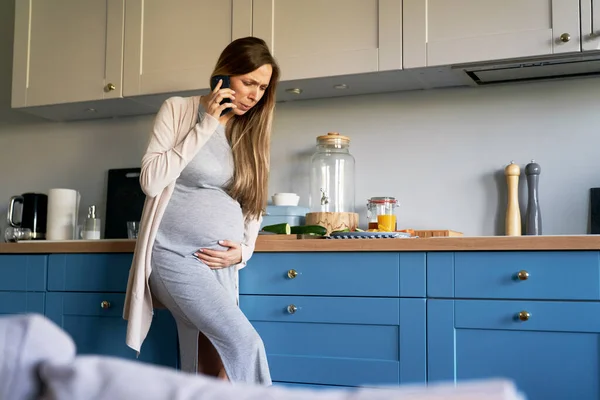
(199, 214)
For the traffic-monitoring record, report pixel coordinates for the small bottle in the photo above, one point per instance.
(91, 227)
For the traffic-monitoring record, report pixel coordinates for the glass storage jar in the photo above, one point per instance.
(332, 175)
(381, 214)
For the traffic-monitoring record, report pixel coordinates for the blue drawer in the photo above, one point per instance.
(345, 341)
(335, 274)
(552, 275)
(538, 316)
(89, 272)
(340, 310)
(23, 272)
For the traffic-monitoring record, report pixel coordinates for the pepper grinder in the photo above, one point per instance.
(513, 214)
(533, 219)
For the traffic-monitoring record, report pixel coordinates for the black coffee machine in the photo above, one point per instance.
(34, 213)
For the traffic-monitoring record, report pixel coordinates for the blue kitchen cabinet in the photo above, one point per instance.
(347, 319)
(89, 272)
(23, 273)
(22, 283)
(95, 322)
(86, 294)
(554, 355)
(528, 316)
(339, 319)
(21, 303)
(341, 341)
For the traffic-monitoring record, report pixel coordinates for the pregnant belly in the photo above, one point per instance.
(200, 221)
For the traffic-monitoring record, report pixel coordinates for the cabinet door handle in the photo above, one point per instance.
(524, 316)
(523, 275)
(292, 273)
(110, 87)
(292, 309)
(105, 305)
(565, 37)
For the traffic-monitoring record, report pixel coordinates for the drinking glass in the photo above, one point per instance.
(133, 228)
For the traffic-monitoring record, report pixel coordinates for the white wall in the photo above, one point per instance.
(442, 153)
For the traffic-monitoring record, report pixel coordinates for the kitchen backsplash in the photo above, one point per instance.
(441, 153)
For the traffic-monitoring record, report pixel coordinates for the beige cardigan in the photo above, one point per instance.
(176, 138)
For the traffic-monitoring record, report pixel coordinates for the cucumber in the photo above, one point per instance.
(309, 229)
(282, 229)
(342, 231)
(348, 230)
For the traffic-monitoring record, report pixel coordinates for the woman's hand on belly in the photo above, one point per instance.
(217, 259)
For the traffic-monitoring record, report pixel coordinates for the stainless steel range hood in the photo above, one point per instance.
(547, 68)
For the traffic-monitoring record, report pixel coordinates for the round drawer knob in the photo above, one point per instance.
(524, 316)
(105, 304)
(292, 273)
(523, 275)
(292, 309)
(110, 87)
(565, 37)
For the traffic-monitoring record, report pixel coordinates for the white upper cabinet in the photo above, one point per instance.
(101, 58)
(443, 32)
(67, 51)
(173, 45)
(590, 25)
(318, 38)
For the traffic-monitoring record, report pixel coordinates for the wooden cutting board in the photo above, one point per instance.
(437, 233)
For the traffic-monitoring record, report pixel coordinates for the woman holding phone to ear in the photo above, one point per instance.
(205, 176)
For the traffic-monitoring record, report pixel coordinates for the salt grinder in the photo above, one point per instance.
(513, 214)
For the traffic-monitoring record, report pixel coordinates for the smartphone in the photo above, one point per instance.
(214, 81)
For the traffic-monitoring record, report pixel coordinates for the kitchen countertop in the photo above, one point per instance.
(281, 243)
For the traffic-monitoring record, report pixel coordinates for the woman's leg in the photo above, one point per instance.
(199, 302)
(197, 353)
(209, 360)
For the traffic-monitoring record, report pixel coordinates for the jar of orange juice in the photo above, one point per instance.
(381, 214)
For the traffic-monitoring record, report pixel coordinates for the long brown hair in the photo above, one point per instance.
(250, 134)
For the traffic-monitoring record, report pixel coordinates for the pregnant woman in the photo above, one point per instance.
(205, 176)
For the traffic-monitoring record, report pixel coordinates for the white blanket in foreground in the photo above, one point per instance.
(38, 362)
(103, 378)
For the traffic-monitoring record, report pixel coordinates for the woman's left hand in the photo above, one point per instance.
(217, 259)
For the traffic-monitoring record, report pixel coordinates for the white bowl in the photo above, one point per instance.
(285, 199)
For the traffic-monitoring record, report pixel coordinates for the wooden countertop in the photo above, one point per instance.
(278, 243)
